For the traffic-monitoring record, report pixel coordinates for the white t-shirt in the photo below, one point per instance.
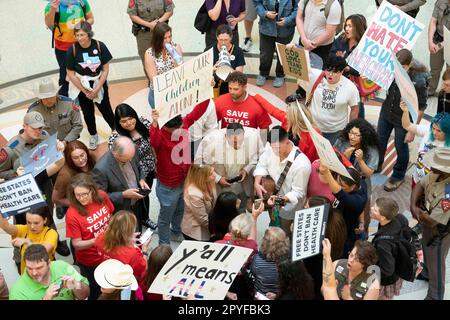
(330, 103)
(426, 145)
(315, 23)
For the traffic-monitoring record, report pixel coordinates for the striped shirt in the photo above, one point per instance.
(266, 274)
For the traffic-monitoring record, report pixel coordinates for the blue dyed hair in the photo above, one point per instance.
(442, 120)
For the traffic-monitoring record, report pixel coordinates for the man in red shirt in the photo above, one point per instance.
(172, 148)
(239, 106)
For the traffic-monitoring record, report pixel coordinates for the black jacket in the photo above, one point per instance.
(390, 110)
(443, 102)
(386, 249)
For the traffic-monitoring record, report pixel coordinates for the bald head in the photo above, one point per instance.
(123, 149)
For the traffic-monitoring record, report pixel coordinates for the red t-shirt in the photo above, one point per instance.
(89, 227)
(248, 112)
(127, 255)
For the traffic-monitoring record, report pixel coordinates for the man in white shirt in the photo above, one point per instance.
(206, 124)
(233, 152)
(272, 162)
(332, 97)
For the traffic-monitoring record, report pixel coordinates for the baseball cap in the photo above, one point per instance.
(34, 119)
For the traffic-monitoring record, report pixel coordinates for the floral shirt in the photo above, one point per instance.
(145, 150)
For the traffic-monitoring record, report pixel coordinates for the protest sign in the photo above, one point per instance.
(295, 61)
(390, 30)
(407, 89)
(202, 269)
(309, 231)
(446, 45)
(324, 149)
(20, 195)
(40, 157)
(179, 90)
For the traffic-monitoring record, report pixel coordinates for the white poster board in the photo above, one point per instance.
(309, 231)
(20, 195)
(389, 31)
(203, 270)
(446, 45)
(179, 90)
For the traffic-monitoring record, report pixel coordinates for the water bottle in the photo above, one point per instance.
(174, 53)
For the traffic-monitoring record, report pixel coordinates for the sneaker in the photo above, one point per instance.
(391, 184)
(260, 80)
(61, 212)
(150, 224)
(177, 237)
(93, 142)
(278, 82)
(247, 45)
(62, 248)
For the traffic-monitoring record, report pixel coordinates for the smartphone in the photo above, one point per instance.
(146, 235)
(260, 296)
(235, 179)
(258, 203)
(144, 192)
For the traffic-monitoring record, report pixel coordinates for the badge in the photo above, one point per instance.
(3, 155)
(232, 57)
(131, 4)
(445, 203)
(95, 51)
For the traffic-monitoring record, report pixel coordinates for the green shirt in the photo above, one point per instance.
(27, 289)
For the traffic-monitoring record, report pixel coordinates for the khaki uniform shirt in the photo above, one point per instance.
(434, 194)
(63, 118)
(442, 20)
(149, 10)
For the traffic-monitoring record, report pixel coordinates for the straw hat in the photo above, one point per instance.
(113, 274)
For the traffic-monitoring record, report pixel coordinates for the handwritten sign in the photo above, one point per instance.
(202, 269)
(324, 149)
(295, 61)
(407, 90)
(20, 195)
(309, 231)
(179, 90)
(390, 30)
(40, 157)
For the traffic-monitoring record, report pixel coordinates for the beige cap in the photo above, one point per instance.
(34, 119)
(47, 89)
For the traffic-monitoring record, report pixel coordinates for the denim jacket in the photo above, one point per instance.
(267, 26)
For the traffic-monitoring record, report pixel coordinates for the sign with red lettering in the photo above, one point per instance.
(202, 270)
(179, 90)
(389, 31)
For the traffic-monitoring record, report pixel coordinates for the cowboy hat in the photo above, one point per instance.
(438, 159)
(47, 89)
(113, 274)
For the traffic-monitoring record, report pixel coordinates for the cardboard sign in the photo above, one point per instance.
(324, 149)
(446, 45)
(309, 231)
(20, 195)
(40, 157)
(407, 90)
(202, 269)
(179, 90)
(295, 61)
(390, 30)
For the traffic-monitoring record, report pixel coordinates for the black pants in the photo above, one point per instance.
(323, 52)
(61, 58)
(87, 106)
(88, 272)
(267, 49)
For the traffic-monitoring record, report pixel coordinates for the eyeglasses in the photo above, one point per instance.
(357, 135)
(82, 195)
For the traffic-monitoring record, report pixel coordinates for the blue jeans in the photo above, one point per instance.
(171, 212)
(61, 58)
(331, 136)
(151, 98)
(362, 111)
(384, 131)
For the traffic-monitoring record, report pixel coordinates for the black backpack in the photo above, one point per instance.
(407, 243)
(56, 22)
(202, 20)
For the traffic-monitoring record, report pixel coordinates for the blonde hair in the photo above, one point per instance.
(275, 244)
(240, 227)
(198, 176)
(120, 230)
(296, 123)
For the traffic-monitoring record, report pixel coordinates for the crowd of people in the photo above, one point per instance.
(214, 186)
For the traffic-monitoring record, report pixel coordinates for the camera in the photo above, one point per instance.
(235, 179)
(279, 201)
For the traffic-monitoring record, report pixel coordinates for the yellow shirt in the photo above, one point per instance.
(47, 235)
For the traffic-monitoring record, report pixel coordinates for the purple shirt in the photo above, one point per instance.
(236, 7)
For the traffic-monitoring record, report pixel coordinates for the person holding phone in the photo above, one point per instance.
(129, 124)
(119, 241)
